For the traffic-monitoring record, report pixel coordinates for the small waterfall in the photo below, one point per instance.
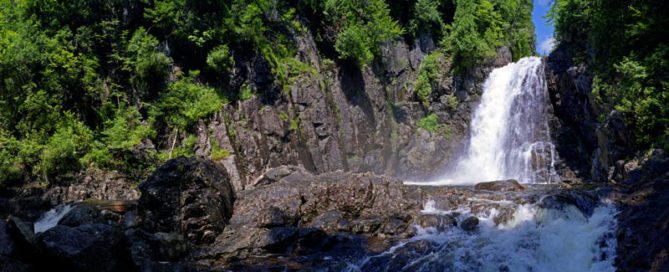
(50, 218)
(509, 135)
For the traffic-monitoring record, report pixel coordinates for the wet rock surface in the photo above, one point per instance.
(324, 221)
(643, 222)
(510, 185)
(88, 247)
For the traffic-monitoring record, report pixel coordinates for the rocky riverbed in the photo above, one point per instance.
(189, 218)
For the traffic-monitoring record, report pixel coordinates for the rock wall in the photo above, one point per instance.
(345, 118)
(591, 149)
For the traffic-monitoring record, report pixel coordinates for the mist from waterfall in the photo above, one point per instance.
(509, 135)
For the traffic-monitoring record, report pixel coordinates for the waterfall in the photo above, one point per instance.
(509, 136)
(50, 218)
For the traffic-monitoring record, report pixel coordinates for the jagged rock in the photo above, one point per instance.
(643, 221)
(401, 259)
(284, 172)
(22, 234)
(437, 221)
(191, 196)
(94, 184)
(156, 252)
(79, 215)
(584, 201)
(509, 185)
(88, 247)
(469, 224)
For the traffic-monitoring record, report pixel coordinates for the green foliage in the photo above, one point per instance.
(428, 73)
(62, 150)
(475, 33)
(184, 149)
(625, 44)
(426, 17)
(186, 102)
(353, 43)
(431, 124)
(83, 83)
(452, 102)
(119, 136)
(11, 164)
(220, 60)
(294, 124)
(217, 152)
(246, 93)
(517, 26)
(364, 27)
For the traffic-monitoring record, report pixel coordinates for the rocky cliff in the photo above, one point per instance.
(342, 117)
(593, 144)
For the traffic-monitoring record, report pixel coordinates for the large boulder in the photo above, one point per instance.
(88, 247)
(273, 218)
(584, 201)
(191, 196)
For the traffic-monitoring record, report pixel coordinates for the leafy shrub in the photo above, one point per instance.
(186, 102)
(431, 124)
(366, 26)
(220, 60)
(426, 17)
(475, 33)
(427, 74)
(63, 149)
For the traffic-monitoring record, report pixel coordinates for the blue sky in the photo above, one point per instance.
(544, 30)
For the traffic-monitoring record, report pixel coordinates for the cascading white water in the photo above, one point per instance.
(509, 139)
(533, 239)
(50, 218)
(509, 135)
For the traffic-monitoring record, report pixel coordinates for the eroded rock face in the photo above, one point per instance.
(590, 149)
(94, 184)
(643, 222)
(191, 196)
(346, 118)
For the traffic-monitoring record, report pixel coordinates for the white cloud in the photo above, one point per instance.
(547, 45)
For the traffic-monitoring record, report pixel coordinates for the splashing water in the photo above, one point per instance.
(509, 138)
(532, 239)
(509, 134)
(50, 218)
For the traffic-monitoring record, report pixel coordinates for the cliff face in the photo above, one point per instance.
(591, 149)
(346, 118)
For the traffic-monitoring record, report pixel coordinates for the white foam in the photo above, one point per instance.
(50, 218)
(534, 239)
(509, 136)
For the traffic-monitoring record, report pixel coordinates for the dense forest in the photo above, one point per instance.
(102, 84)
(626, 46)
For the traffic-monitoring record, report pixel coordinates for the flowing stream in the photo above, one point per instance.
(509, 138)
